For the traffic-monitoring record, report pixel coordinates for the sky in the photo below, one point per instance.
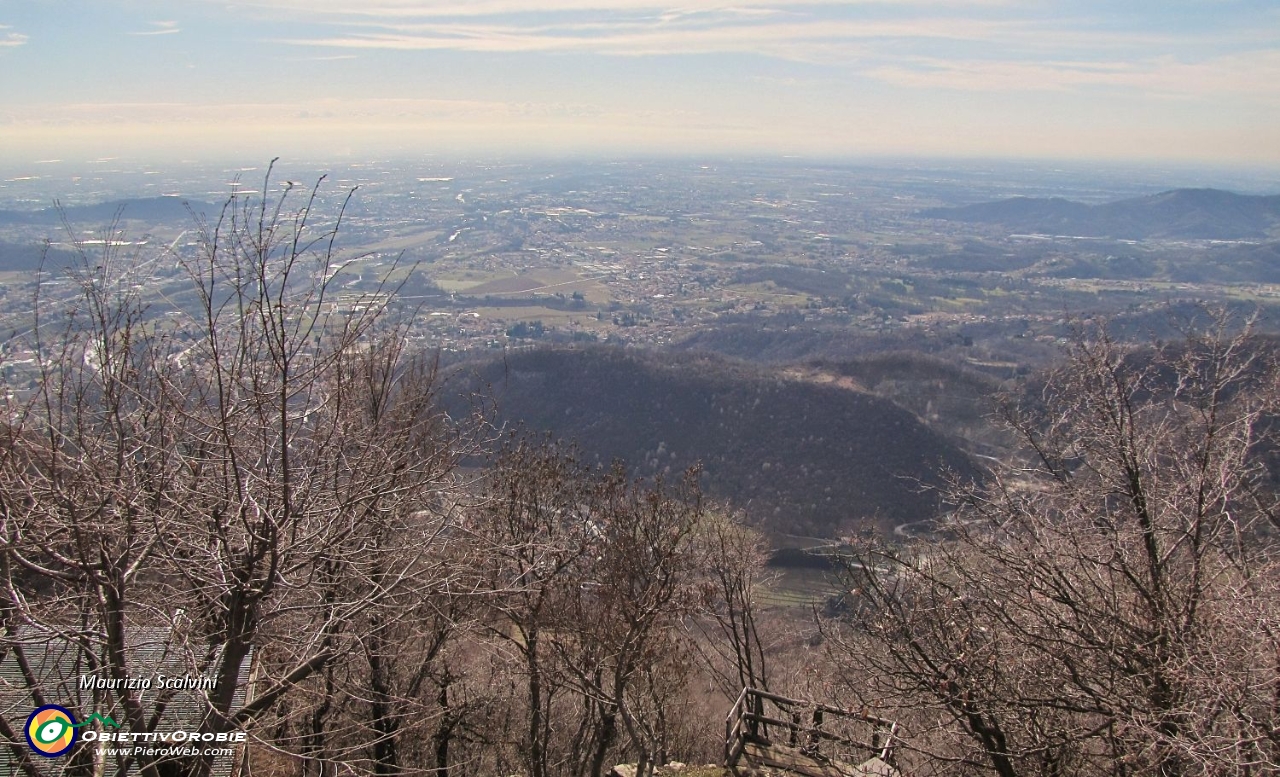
(1158, 80)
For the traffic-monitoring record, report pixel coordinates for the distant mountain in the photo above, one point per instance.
(152, 209)
(794, 454)
(29, 257)
(1204, 214)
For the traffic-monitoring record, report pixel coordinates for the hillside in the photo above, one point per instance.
(954, 399)
(794, 454)
(29, 257)
(1204, 214)
(152, 209)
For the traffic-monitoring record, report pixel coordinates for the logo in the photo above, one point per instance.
(51, 731)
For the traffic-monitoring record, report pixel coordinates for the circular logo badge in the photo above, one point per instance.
(51, 730)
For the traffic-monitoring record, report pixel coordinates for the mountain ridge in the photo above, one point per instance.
(156, 209)
(1198, 214)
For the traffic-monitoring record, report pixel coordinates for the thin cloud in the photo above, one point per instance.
(1252, 74)
(795, 40)
(177, 113)
(161, 28)
(331, 58)
(391, 9)
(806, 34)
(12, 39)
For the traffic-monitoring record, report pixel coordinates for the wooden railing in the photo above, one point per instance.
(816, 730)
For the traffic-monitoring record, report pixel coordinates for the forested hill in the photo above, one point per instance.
(1207, 214)
(29, 257)
(152, 209)
(796, 455)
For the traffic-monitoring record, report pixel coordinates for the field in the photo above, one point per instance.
(798, 587)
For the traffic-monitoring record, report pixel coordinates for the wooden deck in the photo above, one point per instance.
(757, 759)
(767, 734)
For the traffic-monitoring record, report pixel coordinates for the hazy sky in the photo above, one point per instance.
(1138, 79)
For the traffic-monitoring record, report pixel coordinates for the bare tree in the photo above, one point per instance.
(1110, 608)
(590, 573)
(251, 476)
(623, 612)
(733, 561)
(534, 527)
